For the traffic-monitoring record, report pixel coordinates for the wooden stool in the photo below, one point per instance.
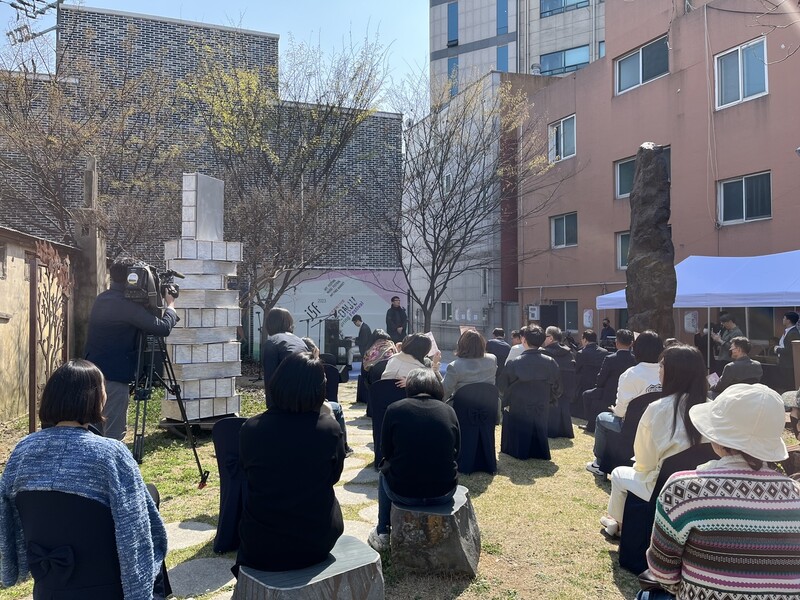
(352, 571)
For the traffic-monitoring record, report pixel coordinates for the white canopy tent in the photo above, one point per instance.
(730, 281)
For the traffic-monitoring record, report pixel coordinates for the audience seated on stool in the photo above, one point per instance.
(66, 458)
(413, 354)
(664, 430)
(742, 369)
(292, 456)
(529, 384)
(420, 442)
(604, 394)
(730, 528)
(638, 380)
(472, 364)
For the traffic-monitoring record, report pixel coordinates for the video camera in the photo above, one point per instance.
(147, 286)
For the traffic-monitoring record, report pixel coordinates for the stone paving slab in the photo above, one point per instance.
(369, 514)
(350, 494)
(358, 529)
(366, 475)
(201, 576)
(223, 595)
(354, 462)
(188, 534)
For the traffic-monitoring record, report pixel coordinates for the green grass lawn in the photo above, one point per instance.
(538, 520)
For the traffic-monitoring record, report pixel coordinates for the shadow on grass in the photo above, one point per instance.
(626, 582)
(476, 482)
(416, 586)
(524, 472)
(560, 443)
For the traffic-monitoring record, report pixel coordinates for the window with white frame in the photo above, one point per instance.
(745, 198)
(623, 176)
(562, 139)
(623, 243)
(447, 311)
(741, 73)
(601, 49)
(564, 230)
(642, 65)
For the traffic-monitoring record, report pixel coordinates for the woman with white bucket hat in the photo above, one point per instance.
(731, 528)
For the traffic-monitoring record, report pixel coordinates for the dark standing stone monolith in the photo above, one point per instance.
(651, 255)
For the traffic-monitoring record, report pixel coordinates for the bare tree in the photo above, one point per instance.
(467, 157)
(55, 111)
(281, 139)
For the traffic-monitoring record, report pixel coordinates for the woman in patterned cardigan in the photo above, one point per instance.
(730, 529)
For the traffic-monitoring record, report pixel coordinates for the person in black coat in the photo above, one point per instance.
(292, 455)
(364, 337)
(613, 366)
(559, 422)
(420, 441)
(588, 361)
(500, 348)
(529, 384)
(396, 320)
(281, 342)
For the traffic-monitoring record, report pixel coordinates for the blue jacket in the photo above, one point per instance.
(73, 460)
(113, 325)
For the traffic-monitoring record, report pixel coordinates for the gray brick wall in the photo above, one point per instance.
(373, 159)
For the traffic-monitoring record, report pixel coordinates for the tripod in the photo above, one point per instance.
(143, 390)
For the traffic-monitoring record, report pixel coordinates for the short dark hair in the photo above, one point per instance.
(606, 320)
(516, 333)
(119, 269)
(279, 320)
(357, 318)
(499, 332)
(298, 384)
(379, 334)
(424, 381)
(395, 298)
(589, 335)
(417, 345)
(471, 344)
(624, 337)
(534, 335)
(742, 343)
(647, 347)
(725, 317)
(792, 316)
(75, 392)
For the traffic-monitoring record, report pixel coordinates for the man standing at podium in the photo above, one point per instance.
(396, 320)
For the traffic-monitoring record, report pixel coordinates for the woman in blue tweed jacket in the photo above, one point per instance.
(66, 457)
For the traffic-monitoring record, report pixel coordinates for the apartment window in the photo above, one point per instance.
(601, 49)
(564, 61)
(623, 243)
(564, 230)
(745, 198)
(555, 7)
(642, 65)
(741, 73)
(562, 139)
(452, 74)
(502, 59)
(452, 24)
(502, 17)
(2, 261)
(448, 183)
(567, 314)
(485, 282)
(623, 175)
(447, 311)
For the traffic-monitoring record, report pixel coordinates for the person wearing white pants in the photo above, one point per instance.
(664, 430)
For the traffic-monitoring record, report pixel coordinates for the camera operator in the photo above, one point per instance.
(114, 324)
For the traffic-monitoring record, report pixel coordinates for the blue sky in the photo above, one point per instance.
(402, 25)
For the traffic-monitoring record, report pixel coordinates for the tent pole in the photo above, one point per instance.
(708, 339)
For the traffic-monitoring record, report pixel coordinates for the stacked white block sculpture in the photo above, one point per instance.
(203, 347)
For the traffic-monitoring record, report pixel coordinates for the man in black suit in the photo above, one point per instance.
(784, 349)
(500, 348)
(587, 364)
(612, 367)
(742, 369)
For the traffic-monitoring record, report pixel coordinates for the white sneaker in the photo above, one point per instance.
(611, 526)
(378, 541)
(593, 467)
